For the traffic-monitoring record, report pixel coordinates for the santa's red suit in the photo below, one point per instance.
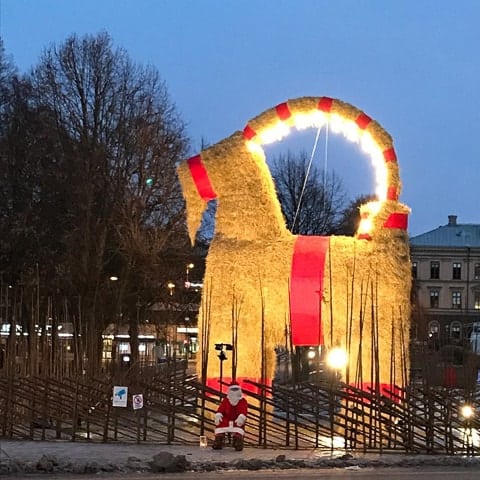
(231, 417)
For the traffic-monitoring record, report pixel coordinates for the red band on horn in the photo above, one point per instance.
(283, 111)
(389, 155)
(200, 178)
(392, 193)
(248, 132)
(363, 120)
(325, 104)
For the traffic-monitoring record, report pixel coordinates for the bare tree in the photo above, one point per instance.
(95, 176)
(350, 217)
(312, 204)
(7, 75)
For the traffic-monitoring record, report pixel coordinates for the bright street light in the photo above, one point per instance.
(311, 354)
(337, 358)
(189, 267)
(467, 411)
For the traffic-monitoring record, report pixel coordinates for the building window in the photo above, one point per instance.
(414, 269)
(456, 299)
(434, 296)
(476, 271)
(456, 330)
(476, 300)
(124, 347)
(457, 271)
(107, 349)
(435, 270)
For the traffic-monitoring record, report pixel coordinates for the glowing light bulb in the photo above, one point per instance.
(274, 133)
(254, 147)
(367, 143)
(467, 411)
(365, 226)
(311, 354)
(336, 123)
(351, 131)
(337, 358)
(315, 119)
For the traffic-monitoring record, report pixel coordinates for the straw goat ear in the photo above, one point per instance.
(195, 205)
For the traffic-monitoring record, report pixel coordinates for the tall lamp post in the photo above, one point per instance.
(169, 320)
(187, 286)
(187, 274)
(222, 357)
(114, 347)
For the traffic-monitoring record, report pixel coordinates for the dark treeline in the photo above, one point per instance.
(89, 141)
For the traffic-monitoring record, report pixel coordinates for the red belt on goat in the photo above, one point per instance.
(306, 290)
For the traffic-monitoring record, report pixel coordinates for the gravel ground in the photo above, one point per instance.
(68, 457)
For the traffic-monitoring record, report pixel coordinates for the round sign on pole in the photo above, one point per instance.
(137, 401)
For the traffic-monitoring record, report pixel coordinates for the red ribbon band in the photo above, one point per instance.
(248, 132)
(389, 155)
(283, 111)
(363, 120)
(200, 178)
(392, 193)
(325, 104)
(397, 220)
(306, 290)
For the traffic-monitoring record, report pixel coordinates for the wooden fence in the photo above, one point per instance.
(178, 409)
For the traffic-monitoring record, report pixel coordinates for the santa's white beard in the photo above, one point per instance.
(234, 397)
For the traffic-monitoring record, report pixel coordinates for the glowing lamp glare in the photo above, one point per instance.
(274, 133)
(337, 358)
(467, 411)
(254, 148)
(315, 119)
(351, 131)
(366, 225)
(336, 123)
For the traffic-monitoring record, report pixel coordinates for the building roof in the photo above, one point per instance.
(451, 235)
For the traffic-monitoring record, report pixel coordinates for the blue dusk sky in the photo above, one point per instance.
(412, 65)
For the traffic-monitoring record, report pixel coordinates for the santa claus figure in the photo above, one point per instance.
(230, 418)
